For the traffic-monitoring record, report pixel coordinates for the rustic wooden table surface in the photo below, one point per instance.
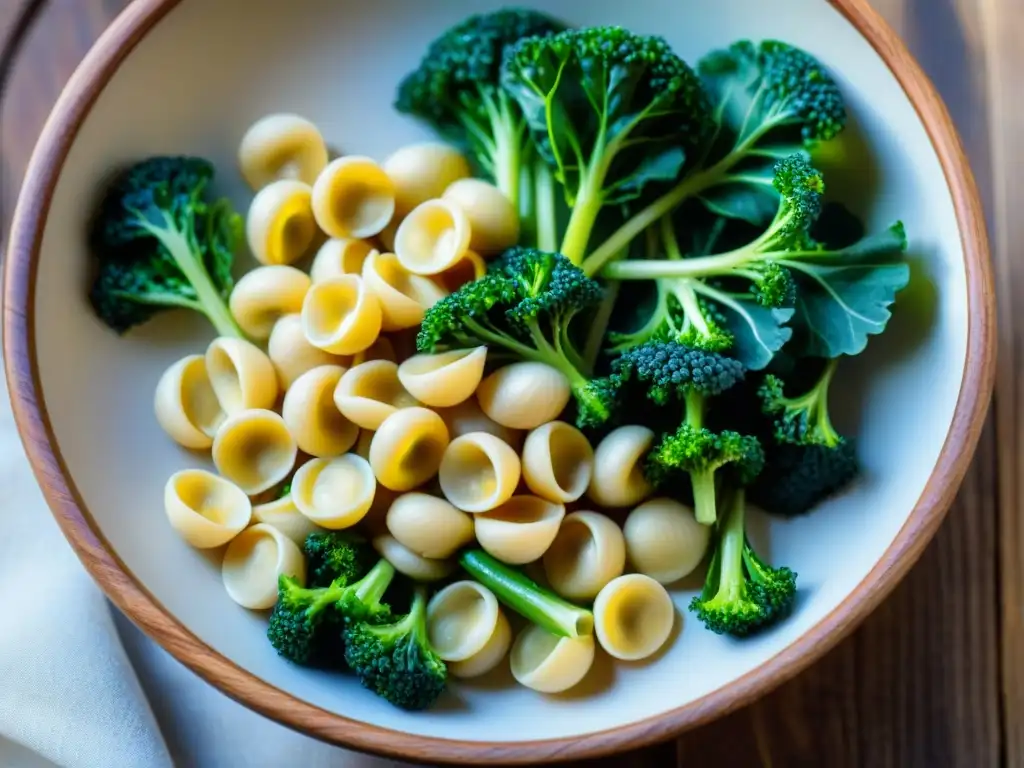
(935, 677)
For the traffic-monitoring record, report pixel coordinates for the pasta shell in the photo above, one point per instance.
(409, 563)
(461, 618)
(493, 219)
(588, 552)
(353, 197)
(549, 663)
(558, 462)
(253, 562)
(422, 172)
(281, 146)
(467, 269)
(254, 450)
(433, 238)
(429, 526)
(292, 354)
(479, 472)
(312, 417)
(241, 374)
(520, 530)
(341, 316)
(370, 392)
(618, 479)
(407, 448)
(339, 256)
(279, 226)
(488, 657)
(664, 540)
(404, 297)
(207, 511)
(282, 514)
(633, 617)
(185, 404)
(468, 417)
(334, 493)
(264, 295)
(444, 379)
(523, 395)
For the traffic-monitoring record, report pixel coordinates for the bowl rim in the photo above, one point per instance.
(131, 597)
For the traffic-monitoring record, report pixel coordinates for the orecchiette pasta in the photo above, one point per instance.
(479, 472)
(281, 513)
(370, 392)
(557, 462)
(493, 219)
(422, 172)
(206, 510)
(353, 197)
(292, 354)
(314, 420)
(523, 395)
(618, 479)
(549, 663)
(404, 297)
(467, 417)
(633, 617)
(254, 560)
(254, 450)
(664, 540)
(339, 256)
(488, 657)
(409, 563)
(279, 226)
(444, 379)
(520, 530)
(432, 238)
(281, 146)
(241, 375)
(461, 619)
(341, 316)
(429, 526)
(185, 404)
(334, 493)
(588, 552)
(406, 449)
(263, 295)
(467, 269)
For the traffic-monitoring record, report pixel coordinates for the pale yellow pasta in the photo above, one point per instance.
(548, 663)
(588, 552)
(469, 268)
(370, 392)
(444, 379)
(312, 416)
(281, 146)
(618, 478)
(479, 472)
(488, 657)
(339, 256)
(341, 316)
(292, 354)
(557, 462)
(206, 510)
(334, 493)
(282, 514)
(381, 349)
(404, 297)
(432, 238)
(422, 172)
(524, 395)
(520, 530)
(406, 449)
(429, 526)
(253, 562)
(279, 226)
(241, 375)
(185, 404)
(633, 617)
(353, 197)
(467, 417)
(493, 219)
(664, 539)
(254, 450)
(461, 619)
(409, 563)
(264, 295)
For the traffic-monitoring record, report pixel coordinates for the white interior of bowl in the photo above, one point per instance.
(208, 70)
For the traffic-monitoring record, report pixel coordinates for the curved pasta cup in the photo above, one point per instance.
(444, 379)
(404, 297)
(488, 657)
(281, 146)
(493, 219)
(340, 316)
(422, 172)
(264, 295)
(283, 515)
(253, 562)
(409, 563)
(558, 462)
(291, 353)
(309, 410)
(429, 526)
(241, 375)
(254, 450)
(588, 552)
(370, 392)
(633, 617)
(461, 619)
(524, 395)
(353, 197)
(279, 226)
(664, 540)
(185, 404)
(207, 511)
(549, 663)
(520, 530)
(339, 256)
(618, 478)
(432, 238)
(479, 472)
(334, 493)
(407, 448)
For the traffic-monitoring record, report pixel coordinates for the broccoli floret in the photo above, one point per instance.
(611, 111)
(395, 659)
(742, 594)
(524, 306)
(161, 244)
(332, 555)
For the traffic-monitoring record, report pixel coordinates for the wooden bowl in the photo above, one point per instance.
(190, 76)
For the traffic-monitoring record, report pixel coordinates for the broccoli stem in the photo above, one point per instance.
(730, 549)
(508, 137)
(695, 267)
(702, 481)
(544, 217)
(527, 598)
(586, 207)
(375, 583)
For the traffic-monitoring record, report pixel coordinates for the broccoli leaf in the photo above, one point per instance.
(758, 332)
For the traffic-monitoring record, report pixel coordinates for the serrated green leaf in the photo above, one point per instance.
(758, 332)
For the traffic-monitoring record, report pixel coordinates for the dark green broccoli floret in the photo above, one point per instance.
(160, 244)
(395, 660)
(524, 306)
(742, 594)
(336, 554)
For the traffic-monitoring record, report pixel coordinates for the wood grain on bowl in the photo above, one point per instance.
(131, 597)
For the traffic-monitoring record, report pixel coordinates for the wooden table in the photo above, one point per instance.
(935, 677)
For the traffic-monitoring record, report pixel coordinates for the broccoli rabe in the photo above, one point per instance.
(331, 555)
(161, 244)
